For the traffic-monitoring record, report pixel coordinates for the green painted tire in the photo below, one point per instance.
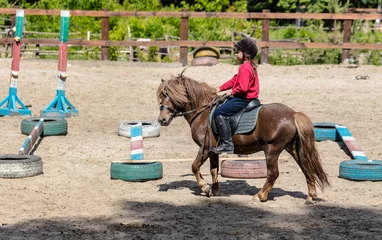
(20, 166)
(52, 126)
(136, 172)
(361, 170)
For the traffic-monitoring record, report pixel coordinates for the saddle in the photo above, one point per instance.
(241, 122)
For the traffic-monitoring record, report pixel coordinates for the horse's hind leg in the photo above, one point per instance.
(272, 157)
(312, 192)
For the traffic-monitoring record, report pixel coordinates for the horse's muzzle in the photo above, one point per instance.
(164, 121)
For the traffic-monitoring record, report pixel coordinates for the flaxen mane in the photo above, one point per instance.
(183, 90)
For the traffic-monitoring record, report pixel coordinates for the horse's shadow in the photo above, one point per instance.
(228, 188)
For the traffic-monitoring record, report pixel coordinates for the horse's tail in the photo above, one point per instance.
(309, 158)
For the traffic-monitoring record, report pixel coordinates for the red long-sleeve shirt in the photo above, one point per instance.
(244, 84)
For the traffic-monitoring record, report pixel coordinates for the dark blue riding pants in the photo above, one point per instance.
(231, 106)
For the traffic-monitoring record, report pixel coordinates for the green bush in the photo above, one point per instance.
(205, 29)
(375, 58)
(321, 56)
(279, 58)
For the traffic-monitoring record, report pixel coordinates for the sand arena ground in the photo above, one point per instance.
(75, 198)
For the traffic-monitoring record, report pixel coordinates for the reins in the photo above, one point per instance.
(215, 101)
(176, 113)
(204, 107)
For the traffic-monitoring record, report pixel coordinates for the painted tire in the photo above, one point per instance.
(20, 166)
(244, 169)
(149, 129)
(206, 52)
(136, 172)
(361, 170)
(52, 126)
(326, 131)
(204, 61)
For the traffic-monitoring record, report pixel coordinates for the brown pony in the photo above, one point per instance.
(278, 127)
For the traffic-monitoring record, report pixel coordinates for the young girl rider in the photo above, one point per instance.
(244, 88)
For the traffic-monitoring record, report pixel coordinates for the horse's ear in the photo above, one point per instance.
(162, 79)
(181, 74)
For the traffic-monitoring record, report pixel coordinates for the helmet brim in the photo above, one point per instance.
(237, 46)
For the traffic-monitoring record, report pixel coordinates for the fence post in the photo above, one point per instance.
(233, 40)
(105, 37)
(13, 20)
(346, 39)
(265, 38)
(184, 36)
(37, 52)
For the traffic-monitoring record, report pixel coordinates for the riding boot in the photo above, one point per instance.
(224, 129)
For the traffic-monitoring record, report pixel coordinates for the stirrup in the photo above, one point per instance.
(222, 150)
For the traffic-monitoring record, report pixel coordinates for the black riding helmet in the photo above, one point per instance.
(247, 45)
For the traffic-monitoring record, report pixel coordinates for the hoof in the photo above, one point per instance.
(311, 199)
(256, 198)
(309, 202)
(207, 190)
(215, 189)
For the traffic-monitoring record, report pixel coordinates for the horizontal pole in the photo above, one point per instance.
(242, 15)
(368, 10)
(127, 160)
(32, 138)
(190, 43)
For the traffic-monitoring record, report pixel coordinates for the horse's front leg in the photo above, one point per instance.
(214, 169)
(198, 162)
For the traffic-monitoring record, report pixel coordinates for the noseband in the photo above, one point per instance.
(174, 112)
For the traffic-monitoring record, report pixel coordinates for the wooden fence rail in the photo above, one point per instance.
(184, 43)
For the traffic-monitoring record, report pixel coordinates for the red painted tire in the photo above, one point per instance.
(244, 169)
(204, 61)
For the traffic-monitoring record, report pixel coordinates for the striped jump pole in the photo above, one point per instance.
(350, 143)
(8, 106)
(60, 106)
(136, 142)
(32, 138)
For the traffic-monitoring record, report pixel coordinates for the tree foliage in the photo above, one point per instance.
(310, 5)
(199, 28)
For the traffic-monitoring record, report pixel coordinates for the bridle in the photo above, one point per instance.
(176, 113)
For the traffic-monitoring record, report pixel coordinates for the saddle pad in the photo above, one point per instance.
(247, 122)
